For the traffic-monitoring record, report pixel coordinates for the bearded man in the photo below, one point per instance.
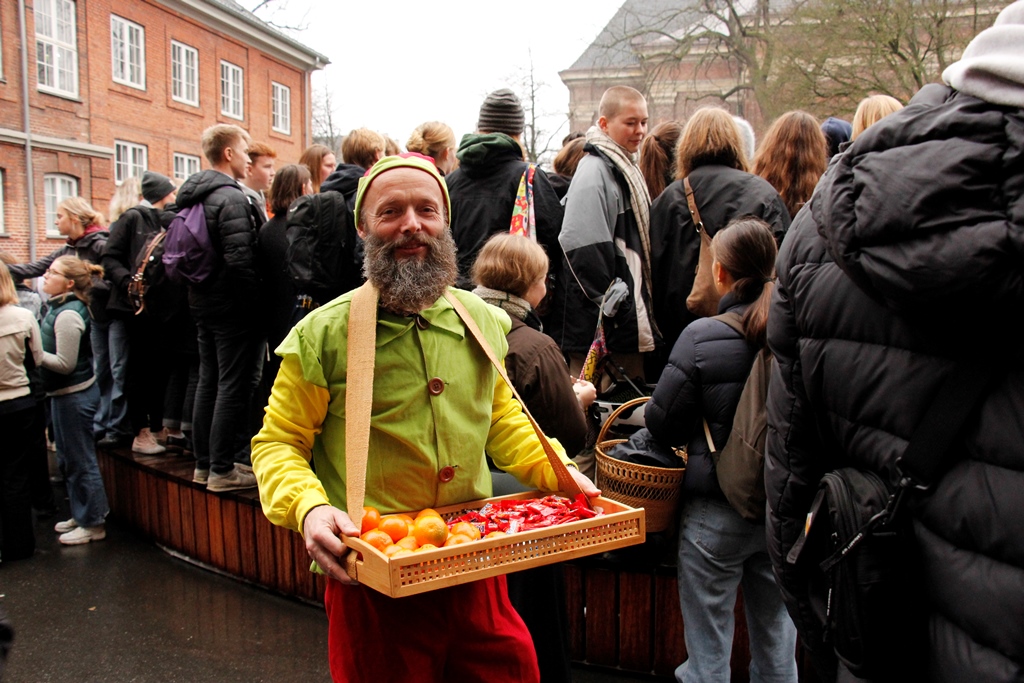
(438, 407)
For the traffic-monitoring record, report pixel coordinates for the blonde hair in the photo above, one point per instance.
(219, 137)
(127, 195)
(79, 272)
(510, 263)
(82, 211)
(871, 110)
(615, 98)
(711, 136)
(431, 138)
(360, 147)
(8, 292)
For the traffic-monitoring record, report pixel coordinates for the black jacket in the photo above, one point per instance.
(703, 380)
(88, 248)
(722, 194)
(908, 258)
(231, 220)
(345, 179)
(128, 237)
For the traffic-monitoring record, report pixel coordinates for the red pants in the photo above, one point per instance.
(464, 633)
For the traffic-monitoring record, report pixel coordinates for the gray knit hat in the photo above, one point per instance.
(155, 187)
(501, 112)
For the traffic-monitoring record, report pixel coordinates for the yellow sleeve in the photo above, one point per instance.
(513, 444)
(281, 451)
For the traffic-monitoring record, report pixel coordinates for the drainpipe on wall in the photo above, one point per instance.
(30, 179)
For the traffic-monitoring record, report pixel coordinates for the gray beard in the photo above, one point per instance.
(410, 285)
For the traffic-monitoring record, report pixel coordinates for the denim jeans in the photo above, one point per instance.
(110, 362)
(719, 551)
(76, 454)
(230, 360)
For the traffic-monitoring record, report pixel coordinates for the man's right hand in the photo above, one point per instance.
(322, 529)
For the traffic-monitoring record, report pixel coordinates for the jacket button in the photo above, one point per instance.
(446, 474)
(435, 386)
(422, 322)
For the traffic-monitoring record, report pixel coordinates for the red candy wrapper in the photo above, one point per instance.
(512, 516)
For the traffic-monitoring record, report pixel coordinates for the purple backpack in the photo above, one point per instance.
(189, 256)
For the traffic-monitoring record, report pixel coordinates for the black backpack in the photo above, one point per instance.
(148, 273)
(324, 257)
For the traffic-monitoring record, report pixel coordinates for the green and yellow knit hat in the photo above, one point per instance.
(406, 160)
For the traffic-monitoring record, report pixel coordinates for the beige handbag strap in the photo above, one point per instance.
(565, 481)
(692, 203)
(362, 339)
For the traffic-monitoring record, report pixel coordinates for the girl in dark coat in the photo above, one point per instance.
(718, 549)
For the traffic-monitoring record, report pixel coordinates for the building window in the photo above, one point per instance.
(128, 52)
(184, 74)
(230, 90)
(185, 165)
(56, 47)
(57, 188)
(129, 160)
(281, 103)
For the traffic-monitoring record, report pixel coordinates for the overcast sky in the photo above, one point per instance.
(398, 63)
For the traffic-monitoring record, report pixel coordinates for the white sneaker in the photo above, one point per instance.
(82, 535)
(234, 480)
(146, 444)
(200, 476)
(65, 526)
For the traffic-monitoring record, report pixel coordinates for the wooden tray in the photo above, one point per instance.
(619, 526)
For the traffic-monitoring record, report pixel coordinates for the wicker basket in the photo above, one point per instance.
(656, 489)
(617, 527)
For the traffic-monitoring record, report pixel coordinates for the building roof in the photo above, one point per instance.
(636, 21)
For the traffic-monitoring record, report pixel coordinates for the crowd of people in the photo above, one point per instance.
(882, 231)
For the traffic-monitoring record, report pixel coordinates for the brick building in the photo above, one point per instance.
(114, 89)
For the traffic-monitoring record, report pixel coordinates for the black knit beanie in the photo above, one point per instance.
(501, 112)
(155, 187)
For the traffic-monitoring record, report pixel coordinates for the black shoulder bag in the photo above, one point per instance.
(858, 546)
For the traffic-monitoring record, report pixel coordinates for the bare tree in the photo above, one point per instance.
(538, 134)
(271, 11)
(325, 125)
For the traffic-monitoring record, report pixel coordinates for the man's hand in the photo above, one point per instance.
(587, 486)
(322, 529)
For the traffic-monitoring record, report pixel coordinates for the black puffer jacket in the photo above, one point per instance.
(129, 235)
(722, 193)
(89, 247)
(910, 255)
(231, 220)
(704, 378)
(345, 179)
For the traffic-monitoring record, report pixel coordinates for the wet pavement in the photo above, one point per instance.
(123, 610)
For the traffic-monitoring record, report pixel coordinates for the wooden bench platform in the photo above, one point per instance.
(621, 616)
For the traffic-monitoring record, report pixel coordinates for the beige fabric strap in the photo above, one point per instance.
(362, 352)
(566, 483)
(707, 435)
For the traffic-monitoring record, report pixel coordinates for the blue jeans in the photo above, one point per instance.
(230, 360)
(76, 454)
(110, 362)
(719, 551)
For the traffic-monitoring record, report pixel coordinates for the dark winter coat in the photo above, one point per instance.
(540, 375)
(280, 291)
(483, 192)
(908, 258)
(128, 237)
(703, 380)
(722, 194)
(232, 222)
(344, 179)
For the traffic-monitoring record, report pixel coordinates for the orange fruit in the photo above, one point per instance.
(377, 538)
(425, 546)
(466, 529)
(428, 512)
(394, 526)
(409, 520)
(495, 534)
(457, 539)
(402, 553)
(371, 519)
(409, 543)
(392, 549)
(431, 530)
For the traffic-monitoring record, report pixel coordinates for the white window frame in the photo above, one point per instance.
(184, 73)
(281, 108)
(185, 165)
(232, 90)
(56, 188)
(3, 224)
(127, 52)
(130, 159)
(56, 47)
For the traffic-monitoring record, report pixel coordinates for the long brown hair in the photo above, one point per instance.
(313, 159)
(792, 157)
(710, 137)
(658, 156)
(746, 249)
(287, 187)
